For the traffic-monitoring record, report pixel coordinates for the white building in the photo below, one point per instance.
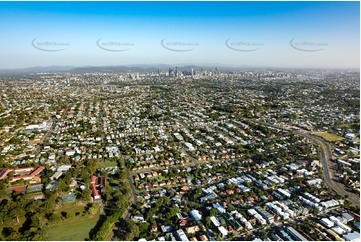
(223, 231)
(219, 208)
(181, 235)
(215, 221)
(195, 215)
(328, 223)
(189, 146)
(56, 175)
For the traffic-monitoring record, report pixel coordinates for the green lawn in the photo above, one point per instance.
(329, 137)
(77, 228)
(106, 164)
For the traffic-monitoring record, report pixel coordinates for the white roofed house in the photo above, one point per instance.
(223, 231)
(215, 221)
(354, 236)
(138, 218)
(73, 183)
(51, 158)
(328, 223)
(181, 235)
(166, 228)
(178, 136)
(350, 136)
(338, 230)
(56, 175)
(64, 168)
(189, 146)
(219, 208)
(70, 152)
(195, 215)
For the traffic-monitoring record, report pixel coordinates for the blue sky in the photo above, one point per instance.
(323, 34)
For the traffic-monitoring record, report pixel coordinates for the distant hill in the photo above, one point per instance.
(113, 69)
(140, 68)
(134, 68)
(36, 69)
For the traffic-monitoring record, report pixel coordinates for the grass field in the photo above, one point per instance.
(106, 164)
(77, 228)
(329, 137)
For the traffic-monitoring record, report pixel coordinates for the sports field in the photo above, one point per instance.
(77, 228)
(329, 137)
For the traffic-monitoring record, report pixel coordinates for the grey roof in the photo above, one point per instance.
(351, 236)
(296, 234)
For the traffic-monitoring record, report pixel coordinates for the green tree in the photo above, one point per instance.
(208, 221)
(213, 212)
(54, 218)
(86, 195)
(10, 234)
(143, 229)
(17, 213)
(49, 205)
(132, 231)
(3, 190)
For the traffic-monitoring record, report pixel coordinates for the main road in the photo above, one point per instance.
(51, 129)
(46, 137)
(326, 156)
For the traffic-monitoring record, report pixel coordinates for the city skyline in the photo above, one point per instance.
(255, 34)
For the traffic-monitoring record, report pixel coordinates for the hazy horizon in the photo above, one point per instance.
(305, 35)
(163, 67)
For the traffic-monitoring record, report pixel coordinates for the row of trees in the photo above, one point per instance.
(116, 203)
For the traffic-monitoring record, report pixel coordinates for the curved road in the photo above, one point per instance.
(326, 156)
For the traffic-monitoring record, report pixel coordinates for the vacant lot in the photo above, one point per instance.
(77, 228)
(329, 137)
(105, 164)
